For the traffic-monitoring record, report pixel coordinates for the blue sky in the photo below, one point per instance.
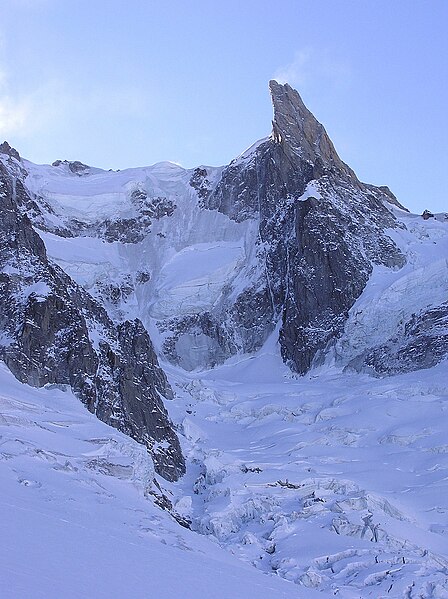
(118, 84)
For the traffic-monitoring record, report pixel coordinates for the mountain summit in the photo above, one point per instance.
(320, 231)
(301, 134)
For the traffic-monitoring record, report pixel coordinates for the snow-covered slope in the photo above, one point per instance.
(53, 331)
(212, 259)
(335, 481)
(392, 298)
(328, 481)
(192, 263)
(78, 517)
(178, 266)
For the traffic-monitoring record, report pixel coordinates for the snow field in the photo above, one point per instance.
(78, 517)
(330, 481)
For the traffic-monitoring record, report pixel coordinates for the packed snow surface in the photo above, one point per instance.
(337, 482)
(78, 519)
(193, 279)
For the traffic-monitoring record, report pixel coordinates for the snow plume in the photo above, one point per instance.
(311, 68)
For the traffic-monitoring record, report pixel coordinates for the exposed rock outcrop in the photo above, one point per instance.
(5, 148)
(320, 230)
(422, 342)
(76, 167)
(53, 331)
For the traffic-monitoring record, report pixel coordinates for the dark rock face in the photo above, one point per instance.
(201, 330)
(76, 167)
(53, 331)
(330, 263)
(422, 343)
(320, 231)
(200, 183)
(329, 274)
(427, 215)
(115, 293)
(152, 207)
(5, 148)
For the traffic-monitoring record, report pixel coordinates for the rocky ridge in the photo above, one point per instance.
(421, 342)
(54, 332)
(320, 230)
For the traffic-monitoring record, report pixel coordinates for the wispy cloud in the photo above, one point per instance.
(312, 68)
(13, 118)
(14, 113)
(52, 104)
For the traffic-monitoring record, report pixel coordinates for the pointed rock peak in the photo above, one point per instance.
(5, 148)
(287, 100)
(300, 133)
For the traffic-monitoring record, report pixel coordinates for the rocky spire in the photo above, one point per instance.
(300, 133)
(5, 148)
